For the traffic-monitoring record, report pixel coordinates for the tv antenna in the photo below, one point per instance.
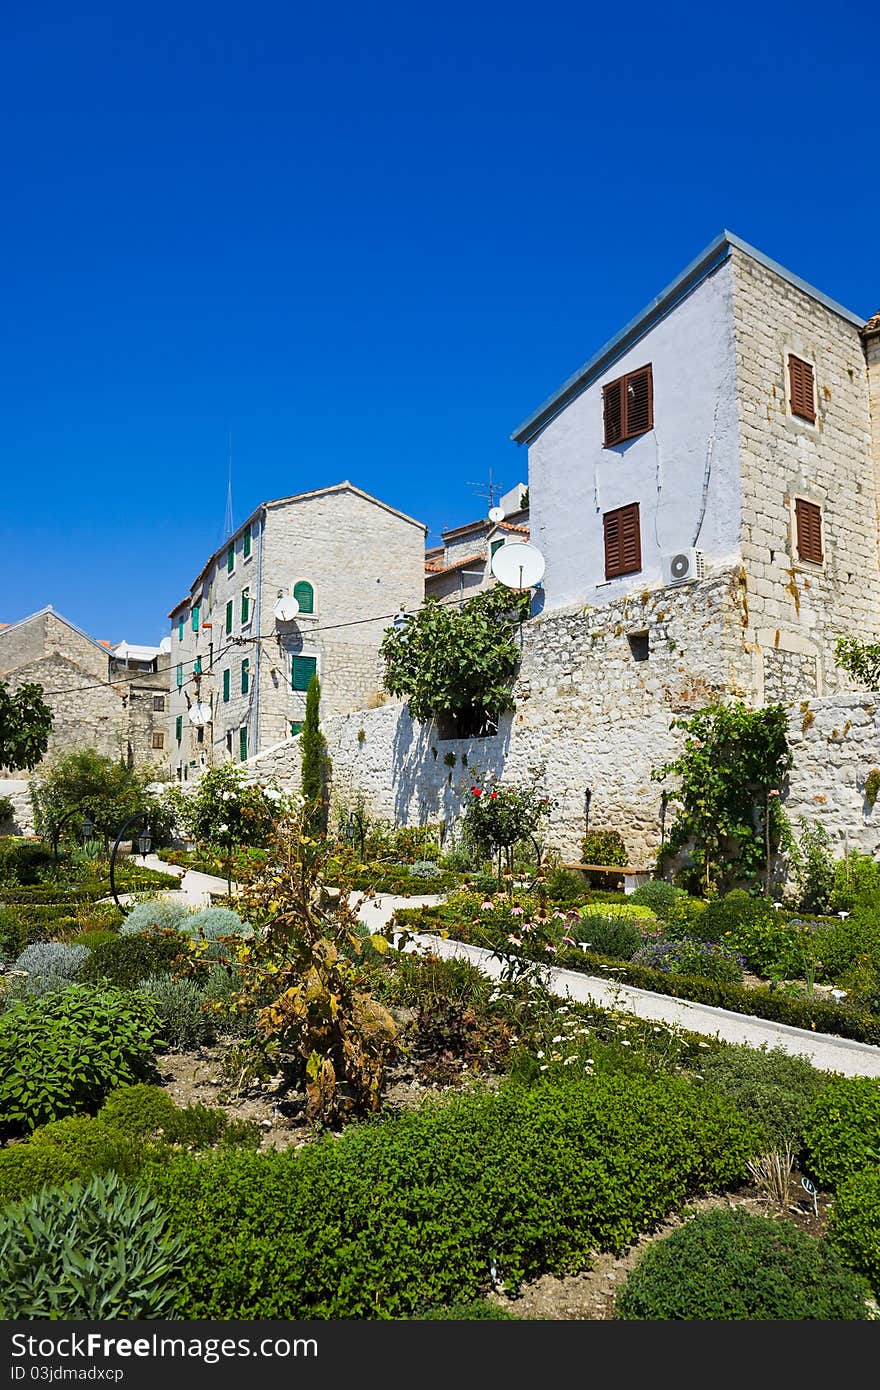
(488, 490)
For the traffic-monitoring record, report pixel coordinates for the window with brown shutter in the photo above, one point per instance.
(629, 406)
(808, 517)
(802, 395)
(623, 541)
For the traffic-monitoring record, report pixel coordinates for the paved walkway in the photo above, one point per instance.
(822, 1049)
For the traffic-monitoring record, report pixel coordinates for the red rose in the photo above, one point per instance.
(476, 791)
(492, 796)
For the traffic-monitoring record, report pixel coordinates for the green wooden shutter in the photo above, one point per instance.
(197, 666)
(180, 628)
(305, 596)
(178, 727)
(295, 727)
(242, 744)
(230, 559)
(195, 617)
(246, 543)
(245, 604)
(496, 545)
(179, 675)
(245, 675)
(229, 617)
(302, 670)
(226, 675)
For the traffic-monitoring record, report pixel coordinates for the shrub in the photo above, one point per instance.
(164, 913)
(13, 933)
(49, 964)
(97, 936)
(611, 935)
(126, 960)
(659, 896)
(854, 1227)
(842, 1129)
(706, 959)
(838, 945)
(731, 912)
(603, 847)
(179, 1005)
(729, 1265)
(212, 925)
(566, 887)
(424, 868)
(64, 1053)
(861, 980)
(856, 883)
(483, 883)
(24, 859)
(813, 865)
(469, 1312)
(771, 1087)
(410, 1212)
(26, 1168)
(104, 1253)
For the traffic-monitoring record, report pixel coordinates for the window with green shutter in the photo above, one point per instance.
(295, 727)
(301, 671)
(245, 675)
(242, 744)
(195, 617)
(178, 727)
(197, 666)
(226, 676)
(180, 628)
(305, 596)
(245, 605)
(246, 543)
(229, 617)
(496, 545)
(179, 674)
(230, 559)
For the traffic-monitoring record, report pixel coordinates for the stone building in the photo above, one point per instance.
(726, 428)
(110, 698)
(459, 568)
(350, 562)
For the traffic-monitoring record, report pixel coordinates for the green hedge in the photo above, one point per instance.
(842, 1130)
(813, 1014)
(409, 1213)
(854, 1227)
(730, 1265)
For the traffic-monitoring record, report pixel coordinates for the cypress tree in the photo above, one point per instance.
(314, 759)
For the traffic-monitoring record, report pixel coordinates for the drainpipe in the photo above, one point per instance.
(258, 617)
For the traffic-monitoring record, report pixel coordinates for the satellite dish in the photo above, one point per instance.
(286, 609)
(165, 644)
(200, 714)
(496, 513)
(518, 564)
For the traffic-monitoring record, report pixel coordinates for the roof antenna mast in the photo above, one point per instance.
(229, 524)
(489, 491)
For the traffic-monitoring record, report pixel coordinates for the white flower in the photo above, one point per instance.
(539, 1054)
(221, 829)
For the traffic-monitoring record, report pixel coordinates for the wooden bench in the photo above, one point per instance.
(632, 877)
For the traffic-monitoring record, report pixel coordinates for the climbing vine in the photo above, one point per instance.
(861, 660)
(730, 777)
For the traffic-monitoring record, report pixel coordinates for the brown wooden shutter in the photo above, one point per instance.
(809, 531)
(802, 397)
(613, 398)
(639, 401)
(623, 541)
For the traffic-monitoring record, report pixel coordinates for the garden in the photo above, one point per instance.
(265, 1108)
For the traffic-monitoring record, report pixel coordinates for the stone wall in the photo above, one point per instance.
(794, 606)
(18, 792)
(590, 716)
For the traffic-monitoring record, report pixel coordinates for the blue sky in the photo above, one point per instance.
(367, 241)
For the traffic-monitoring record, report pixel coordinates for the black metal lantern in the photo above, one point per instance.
(88, 828)
(145, 843)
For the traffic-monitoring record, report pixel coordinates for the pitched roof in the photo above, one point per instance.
(42, 612)
(873, 324)
(708, 260)
(457, 565)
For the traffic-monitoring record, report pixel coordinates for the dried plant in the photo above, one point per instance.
(772, 1176)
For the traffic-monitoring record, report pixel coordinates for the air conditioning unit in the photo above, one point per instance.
(683, 566)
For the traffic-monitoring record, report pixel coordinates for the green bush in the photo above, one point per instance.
(861, 980)
(856, 883)
(127, 960)
(103, 1253)
(613, 935)
(732, 911)
(566, 887)
(179, 1005)
(659, 896)
(26, 1168)
(162, 913)
(470, 1312)
(854, 1227)
(410, 1212)
(603, 847)
(772, 1088)
(13, 934)
(838, 945)
(842, 1129)
(729, 1265)
(24, 859)
(707, 960)
(96, 936)
(65, 1052)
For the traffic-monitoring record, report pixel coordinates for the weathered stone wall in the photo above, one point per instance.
(23, 818)
(590, 716)
(86, 714)
(795, 606)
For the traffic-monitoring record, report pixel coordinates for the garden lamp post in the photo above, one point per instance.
(588, 797)
(88, 828)
(144, 843)
(664, 802)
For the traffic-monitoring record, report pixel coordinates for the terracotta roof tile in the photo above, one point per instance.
(509, 526)
(459, 564)
(873, 324)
